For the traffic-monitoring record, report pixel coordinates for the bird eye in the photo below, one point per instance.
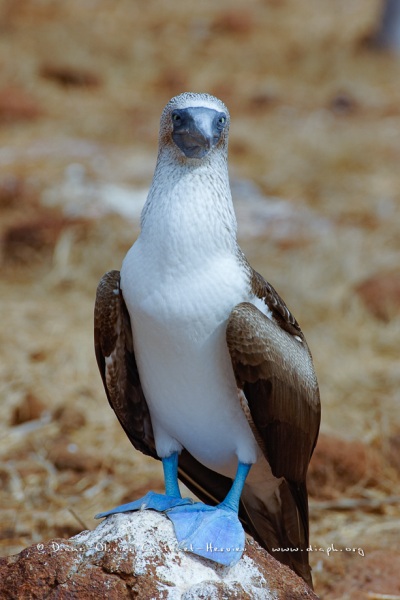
(221, 122)
(175, 117)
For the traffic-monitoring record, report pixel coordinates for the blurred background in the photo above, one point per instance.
(314, 96)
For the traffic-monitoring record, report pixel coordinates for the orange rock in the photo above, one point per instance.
(70, 418)
(17, 105)
(67, 455)
(374, 576)
(234, 22)
(381, 294)
(136, 555)
(28, 409)
(68, 76)
(338, 464)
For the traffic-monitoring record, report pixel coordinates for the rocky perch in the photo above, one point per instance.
(135, 555)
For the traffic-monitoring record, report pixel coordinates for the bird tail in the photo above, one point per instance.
(279, 523)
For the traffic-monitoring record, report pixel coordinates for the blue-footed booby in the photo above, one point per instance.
(203, 363)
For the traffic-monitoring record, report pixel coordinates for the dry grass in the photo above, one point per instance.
(316, 120)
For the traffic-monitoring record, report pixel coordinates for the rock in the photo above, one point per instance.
(338, 464)
(69, 76)
(375, 577)
(12, 189)
(28, 409)
(69, 417)
(30, 238)
(233, 22)
(343, 104)
(17, 104)
(64, 454)
(135, 556)
(381, 294)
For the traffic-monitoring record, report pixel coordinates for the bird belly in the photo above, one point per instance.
(185, 367)
(196, 404)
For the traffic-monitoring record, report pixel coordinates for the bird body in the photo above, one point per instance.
(199, 355)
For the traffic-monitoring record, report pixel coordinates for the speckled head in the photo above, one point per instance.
(194, 125)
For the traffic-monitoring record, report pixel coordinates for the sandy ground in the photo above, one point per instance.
(316, 128)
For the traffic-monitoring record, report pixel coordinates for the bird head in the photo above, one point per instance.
(193, 125)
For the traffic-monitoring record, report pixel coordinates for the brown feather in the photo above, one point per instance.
(116, 361)
(279, 531)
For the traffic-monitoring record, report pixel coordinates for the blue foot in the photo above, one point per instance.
(151, 500)
(213, 532)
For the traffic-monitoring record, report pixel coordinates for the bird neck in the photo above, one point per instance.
(189, 213)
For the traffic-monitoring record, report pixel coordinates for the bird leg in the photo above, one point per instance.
(232, 498)
(213, 532)
(170, 468)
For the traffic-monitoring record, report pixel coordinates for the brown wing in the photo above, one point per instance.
(116, 361)
(275, 371)
(273, 367)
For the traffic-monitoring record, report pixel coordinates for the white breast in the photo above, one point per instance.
(178, 321)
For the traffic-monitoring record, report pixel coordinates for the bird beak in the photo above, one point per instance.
(196, 131)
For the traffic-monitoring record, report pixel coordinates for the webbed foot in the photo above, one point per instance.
(152, 500)
(213, 532)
